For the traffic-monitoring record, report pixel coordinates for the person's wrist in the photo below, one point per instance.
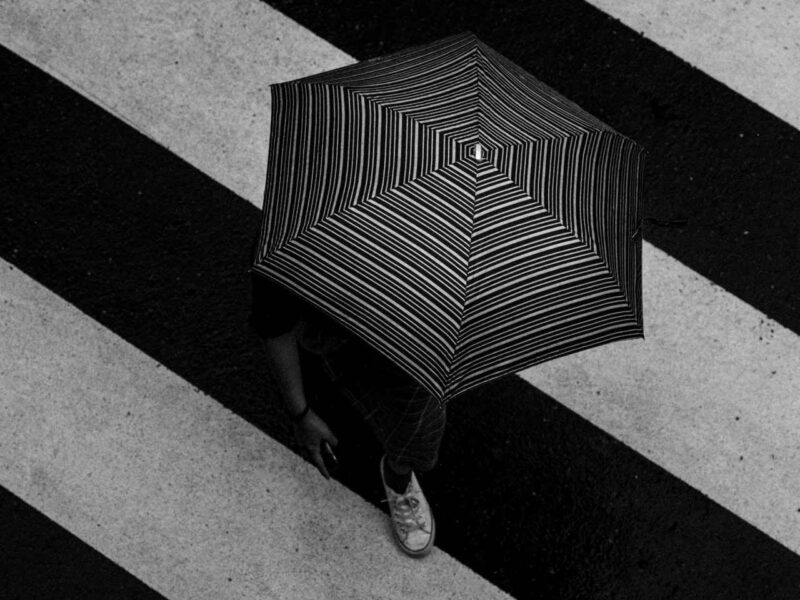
(298, 418)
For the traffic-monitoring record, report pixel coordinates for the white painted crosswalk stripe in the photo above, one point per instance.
(703, 395)
(752, 47)
(193, 77)
(185, 495)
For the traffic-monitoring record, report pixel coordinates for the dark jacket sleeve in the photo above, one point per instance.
(274, 311)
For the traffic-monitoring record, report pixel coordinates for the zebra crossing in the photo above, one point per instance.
(702, 397)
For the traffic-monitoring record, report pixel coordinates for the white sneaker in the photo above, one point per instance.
(412, 521)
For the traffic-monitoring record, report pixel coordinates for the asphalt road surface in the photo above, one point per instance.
(143, 450)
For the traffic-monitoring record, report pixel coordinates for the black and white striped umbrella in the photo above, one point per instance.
(457, 214)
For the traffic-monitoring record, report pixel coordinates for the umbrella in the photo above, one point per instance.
(454, 212)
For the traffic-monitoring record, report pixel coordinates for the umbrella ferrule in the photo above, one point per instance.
(477, 152)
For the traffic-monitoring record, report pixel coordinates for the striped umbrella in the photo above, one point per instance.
(452, 211)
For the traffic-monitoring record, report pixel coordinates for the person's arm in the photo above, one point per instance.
(310, 430)
(276, 328)
(284, 362)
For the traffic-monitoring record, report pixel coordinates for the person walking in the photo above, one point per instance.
(405, 418)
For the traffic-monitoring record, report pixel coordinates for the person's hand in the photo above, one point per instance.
(310, 432)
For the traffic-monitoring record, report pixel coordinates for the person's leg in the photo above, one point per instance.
(409, 424)
(405, 419)
(412, 425)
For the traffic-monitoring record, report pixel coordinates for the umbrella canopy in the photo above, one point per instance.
(454, 212)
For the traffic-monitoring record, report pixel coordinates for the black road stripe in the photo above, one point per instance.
(157, 252)
(42, 561)
(730, 167)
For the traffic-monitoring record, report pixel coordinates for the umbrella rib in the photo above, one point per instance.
(477, 74)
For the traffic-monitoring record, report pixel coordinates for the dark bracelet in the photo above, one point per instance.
(299, 417)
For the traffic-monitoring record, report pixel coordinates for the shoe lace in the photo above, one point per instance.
(407, 513)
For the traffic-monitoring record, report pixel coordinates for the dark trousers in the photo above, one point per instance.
(406, 420)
